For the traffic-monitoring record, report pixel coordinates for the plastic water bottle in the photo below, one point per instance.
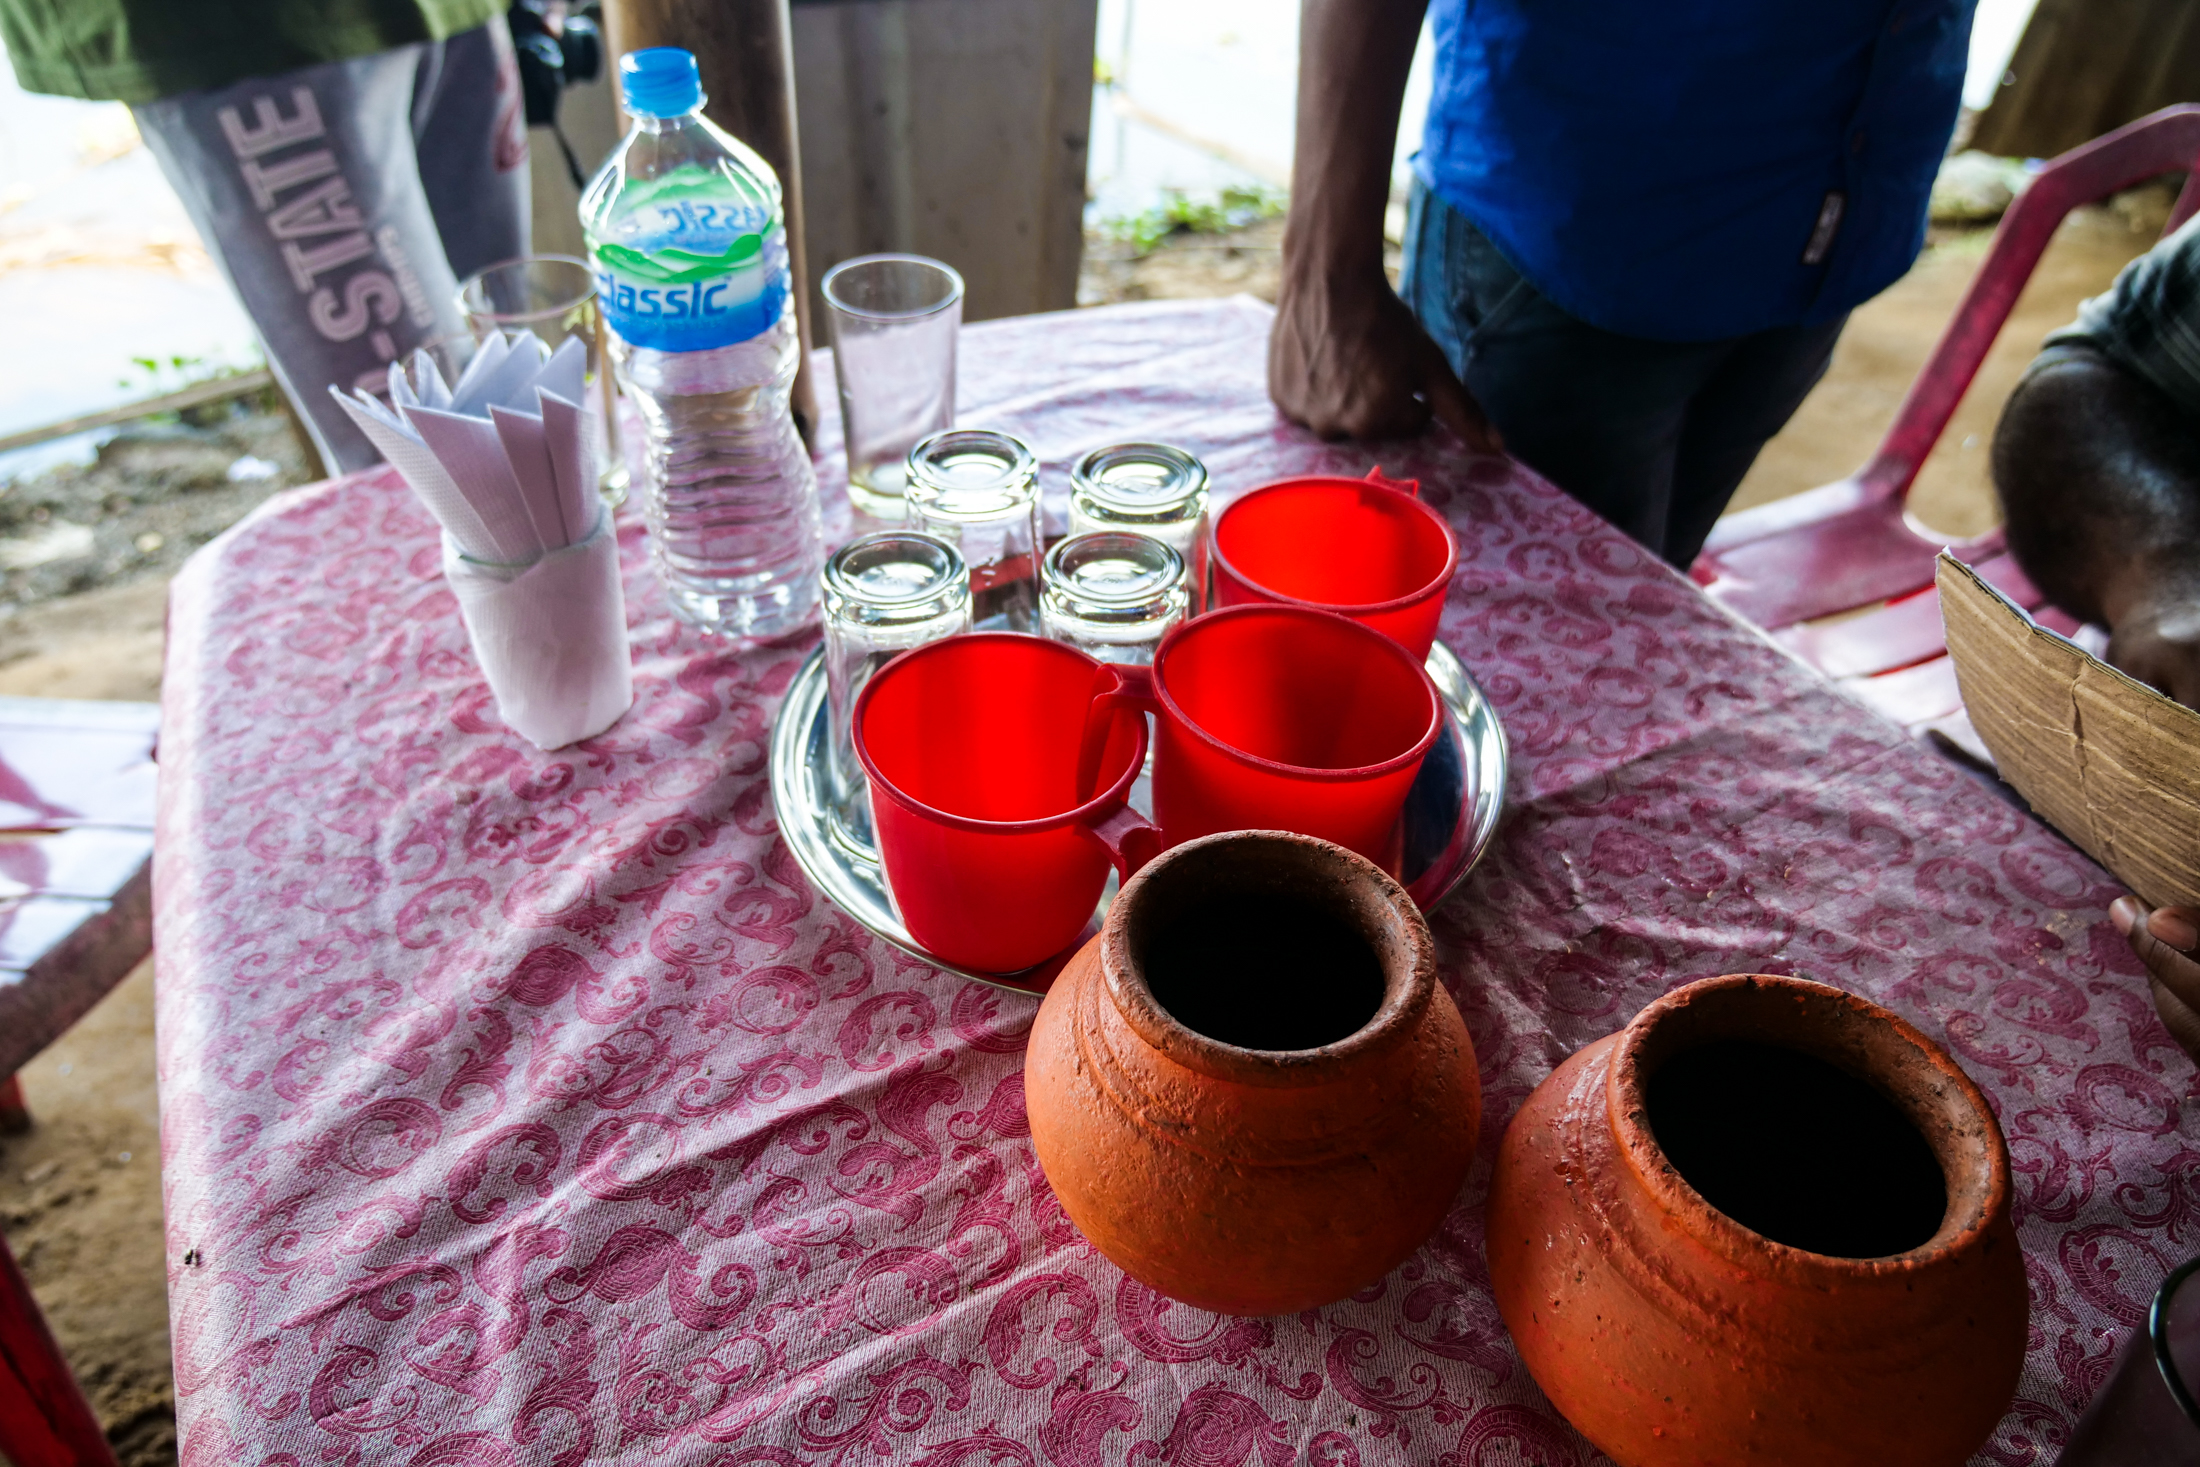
(689, 247)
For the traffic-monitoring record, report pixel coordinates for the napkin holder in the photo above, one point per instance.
(550, 636)
(505, 462)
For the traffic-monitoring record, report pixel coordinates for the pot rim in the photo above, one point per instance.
(1941, 1101)
(1407, 986)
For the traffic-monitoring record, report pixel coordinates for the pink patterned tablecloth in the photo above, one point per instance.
(531, 1108)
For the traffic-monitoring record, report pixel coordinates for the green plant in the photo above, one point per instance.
(1232, 208)
(172, 375)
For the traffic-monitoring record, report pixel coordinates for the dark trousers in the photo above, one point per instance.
(1653, 435)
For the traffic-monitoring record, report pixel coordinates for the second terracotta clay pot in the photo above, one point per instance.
(1887, 1329)
(1249, 1091)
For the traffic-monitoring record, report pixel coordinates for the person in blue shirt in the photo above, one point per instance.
(1634, 234)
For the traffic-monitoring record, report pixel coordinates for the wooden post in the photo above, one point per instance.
(745, 50)
(951, 128)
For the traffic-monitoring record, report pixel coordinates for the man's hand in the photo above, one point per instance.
(2167, 940)
(1348, 360)
(2157, 641)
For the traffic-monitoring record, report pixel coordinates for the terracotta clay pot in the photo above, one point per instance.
(1668, 1332)
(1269, 1178)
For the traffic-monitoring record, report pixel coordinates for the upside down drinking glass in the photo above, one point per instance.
(979, 491)
(1153, 489)
(1112, 594)
(884, 594)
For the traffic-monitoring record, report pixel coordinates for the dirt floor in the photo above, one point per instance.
(1889, 338)
(81, 611)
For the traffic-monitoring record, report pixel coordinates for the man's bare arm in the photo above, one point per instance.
(1347, 358)
(2099, 477)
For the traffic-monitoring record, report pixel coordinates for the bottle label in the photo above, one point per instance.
(691, 297)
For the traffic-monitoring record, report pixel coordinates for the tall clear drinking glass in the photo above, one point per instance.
(979, 491)
(1152, 489)
(554, 296)
(1112, 595)
(884, 593)
(893, 320)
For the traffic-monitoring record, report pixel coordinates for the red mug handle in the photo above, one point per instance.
(1131, 840)
(1410, 488)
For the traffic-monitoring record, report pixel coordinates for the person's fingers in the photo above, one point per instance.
(1362, 417)
(2180, 1018)
(2177, 926)
(2126, 912)
(1325, 385)
(2172, 969)
(1451, 404)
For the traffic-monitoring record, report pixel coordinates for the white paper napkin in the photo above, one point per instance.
(506, 461)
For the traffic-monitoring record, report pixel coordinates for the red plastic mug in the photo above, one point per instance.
(1285, 718)
(1364, 548)
(995, 821)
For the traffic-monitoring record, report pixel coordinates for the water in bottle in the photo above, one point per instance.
(689, 247)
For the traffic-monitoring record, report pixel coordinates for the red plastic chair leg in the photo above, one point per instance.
(15, 1116)
(44, 1418)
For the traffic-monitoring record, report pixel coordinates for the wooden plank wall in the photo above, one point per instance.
(950, 128)
(2085, 67)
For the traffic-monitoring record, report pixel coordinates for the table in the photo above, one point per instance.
(527, 1108)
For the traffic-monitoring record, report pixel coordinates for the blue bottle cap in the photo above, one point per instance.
(660, 82)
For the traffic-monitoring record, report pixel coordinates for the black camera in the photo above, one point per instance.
(557, 43)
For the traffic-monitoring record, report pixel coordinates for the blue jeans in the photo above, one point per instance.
(1653, 435)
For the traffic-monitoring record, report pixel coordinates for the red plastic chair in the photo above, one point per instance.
(44, 1419)
(1850, 544)
(76, 843)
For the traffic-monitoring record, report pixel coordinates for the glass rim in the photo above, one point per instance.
(951, 567)
(467, 286)
(1019, 466)
(836, 303)
(2158, 1331)
(1186, 483)
(1159, 585)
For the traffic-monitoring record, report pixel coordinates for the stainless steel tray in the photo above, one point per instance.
(1450, 814)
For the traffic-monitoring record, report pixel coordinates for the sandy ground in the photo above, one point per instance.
(1889, 338)
(80, 1196)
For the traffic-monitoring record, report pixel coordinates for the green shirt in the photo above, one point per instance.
(143, 50)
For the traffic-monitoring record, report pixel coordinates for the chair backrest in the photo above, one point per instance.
(2161, 142)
